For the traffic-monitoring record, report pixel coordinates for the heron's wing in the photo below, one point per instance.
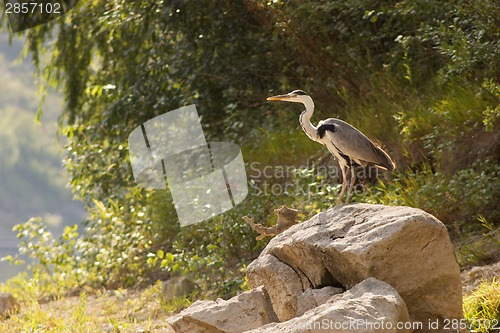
(353, 143)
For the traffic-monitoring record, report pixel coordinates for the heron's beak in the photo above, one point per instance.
(281, 97)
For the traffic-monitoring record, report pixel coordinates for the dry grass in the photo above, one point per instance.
(98, 311)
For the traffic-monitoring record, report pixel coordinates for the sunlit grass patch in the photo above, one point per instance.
(482, 307)
(115, 311)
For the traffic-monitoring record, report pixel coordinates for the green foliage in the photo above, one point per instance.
(55, 265)
(480, 249)
(440, 129)
(173, 56)
(491, 118)
(491, 234)
(460, 198)
(469, 36)
(379, 65)
(340, 45)
(214, 252)
(482, 307)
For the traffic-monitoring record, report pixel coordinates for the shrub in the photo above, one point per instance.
(457, 199)
(55, 265)
(482, 307)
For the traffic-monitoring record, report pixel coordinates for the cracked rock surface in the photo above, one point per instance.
(248, 310)
(405, 247)
(363, 308)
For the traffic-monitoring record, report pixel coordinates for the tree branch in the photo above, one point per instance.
(286, 218)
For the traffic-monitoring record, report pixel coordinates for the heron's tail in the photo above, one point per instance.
(384, 160)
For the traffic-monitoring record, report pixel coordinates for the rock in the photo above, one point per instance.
(177, 287)
(472, 278)
(286, 283)
(311, 298)
(246, 311)
(8, 305)
(370, 306)
(402, 246)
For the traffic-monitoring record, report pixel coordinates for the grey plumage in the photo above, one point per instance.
(344, 141)
(354, 144)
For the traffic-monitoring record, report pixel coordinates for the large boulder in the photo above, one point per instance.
(246, 311)
(370, 306)
(405, 247)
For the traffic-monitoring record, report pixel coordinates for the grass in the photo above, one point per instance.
(482, 307)
(145, 310)
(93, 311)
(457, 200)
(88, 310)
(477, 250)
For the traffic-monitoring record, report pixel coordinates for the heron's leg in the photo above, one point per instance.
(344, 184)
(353, 179)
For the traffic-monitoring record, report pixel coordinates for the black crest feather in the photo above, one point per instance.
(298, 92)
(325, 127)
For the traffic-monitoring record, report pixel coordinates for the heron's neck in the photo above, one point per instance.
(305, 120)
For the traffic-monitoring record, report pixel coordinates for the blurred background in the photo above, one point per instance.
(33, 181)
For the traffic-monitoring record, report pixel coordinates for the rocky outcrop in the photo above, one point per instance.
(244, 312)
(370, 306)
(402, 246)
(8, 305)
(356, 268)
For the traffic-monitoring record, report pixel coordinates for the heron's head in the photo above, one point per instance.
(296, 96)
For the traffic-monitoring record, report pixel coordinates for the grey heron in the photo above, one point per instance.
(344, 141)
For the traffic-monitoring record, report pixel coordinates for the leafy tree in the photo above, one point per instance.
(120, 63)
